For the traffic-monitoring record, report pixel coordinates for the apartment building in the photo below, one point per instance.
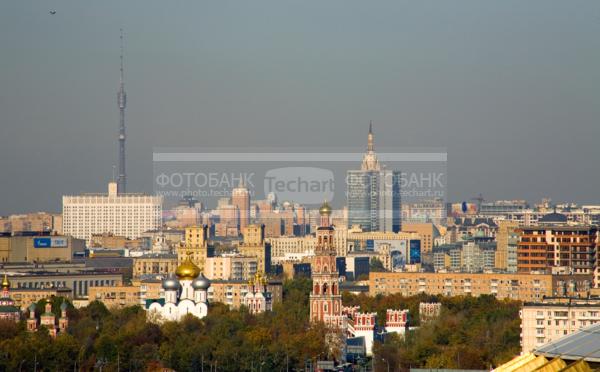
(230, 267)
(126, 295)
(547, 248)
(232, 292)
(552, 318)
(154, 264)
(523, 287)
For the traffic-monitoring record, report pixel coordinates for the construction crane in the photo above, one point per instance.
(479, 199)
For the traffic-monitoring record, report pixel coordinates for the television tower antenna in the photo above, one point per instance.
(122, 102)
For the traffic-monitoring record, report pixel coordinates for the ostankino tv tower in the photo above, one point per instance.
(122, 101)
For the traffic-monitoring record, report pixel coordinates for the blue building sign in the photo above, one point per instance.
(415, 251)
(50, 242)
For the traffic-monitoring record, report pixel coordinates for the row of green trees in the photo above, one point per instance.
(470, 333)
(225, 340)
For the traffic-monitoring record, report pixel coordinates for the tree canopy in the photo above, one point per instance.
(470, 333)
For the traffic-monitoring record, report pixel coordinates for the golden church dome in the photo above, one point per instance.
(325, 209)
(187, 270)
(5, 282)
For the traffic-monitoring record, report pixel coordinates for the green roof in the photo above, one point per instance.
(150, 301)
(9, 309)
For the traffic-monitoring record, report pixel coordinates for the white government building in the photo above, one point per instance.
(127, 215)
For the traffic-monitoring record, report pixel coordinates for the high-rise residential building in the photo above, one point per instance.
(229, 217)
(272, 222)
(373, 194)
(301, 220)
(127, 215)
(240, 197)
(254, 245)
(195, 247)
(554, 246)
(466, 256)
(506, 238)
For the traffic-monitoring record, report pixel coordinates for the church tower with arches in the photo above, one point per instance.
(325, 297)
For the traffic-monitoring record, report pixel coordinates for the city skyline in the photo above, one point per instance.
(514, 105)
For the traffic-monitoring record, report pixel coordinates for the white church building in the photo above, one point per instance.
(184, 293)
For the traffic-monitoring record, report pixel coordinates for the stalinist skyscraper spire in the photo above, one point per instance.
(122, 101)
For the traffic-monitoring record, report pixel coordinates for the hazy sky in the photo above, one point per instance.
(510, 88)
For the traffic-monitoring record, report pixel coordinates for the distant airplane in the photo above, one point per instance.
(53, 12)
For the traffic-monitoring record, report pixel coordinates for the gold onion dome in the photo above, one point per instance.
(5, 282)
(187, 270)
(325, 209)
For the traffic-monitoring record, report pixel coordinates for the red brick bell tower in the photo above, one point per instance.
(325, 298)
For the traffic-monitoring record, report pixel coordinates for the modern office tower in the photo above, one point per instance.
(373, 194)
(240, 197)
(254, 245)
(127, 215)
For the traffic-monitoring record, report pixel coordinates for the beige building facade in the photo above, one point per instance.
(230, 267)
(523, 287)
(24, 297)
(254, 245)
(121, 296)
(232, 292)
(156, 263)
(42, 248)
(551, 319)
(195, 246)
(428, 232)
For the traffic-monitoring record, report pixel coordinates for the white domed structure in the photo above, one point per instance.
(258, 299)
(185, 293)
(201, 283)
